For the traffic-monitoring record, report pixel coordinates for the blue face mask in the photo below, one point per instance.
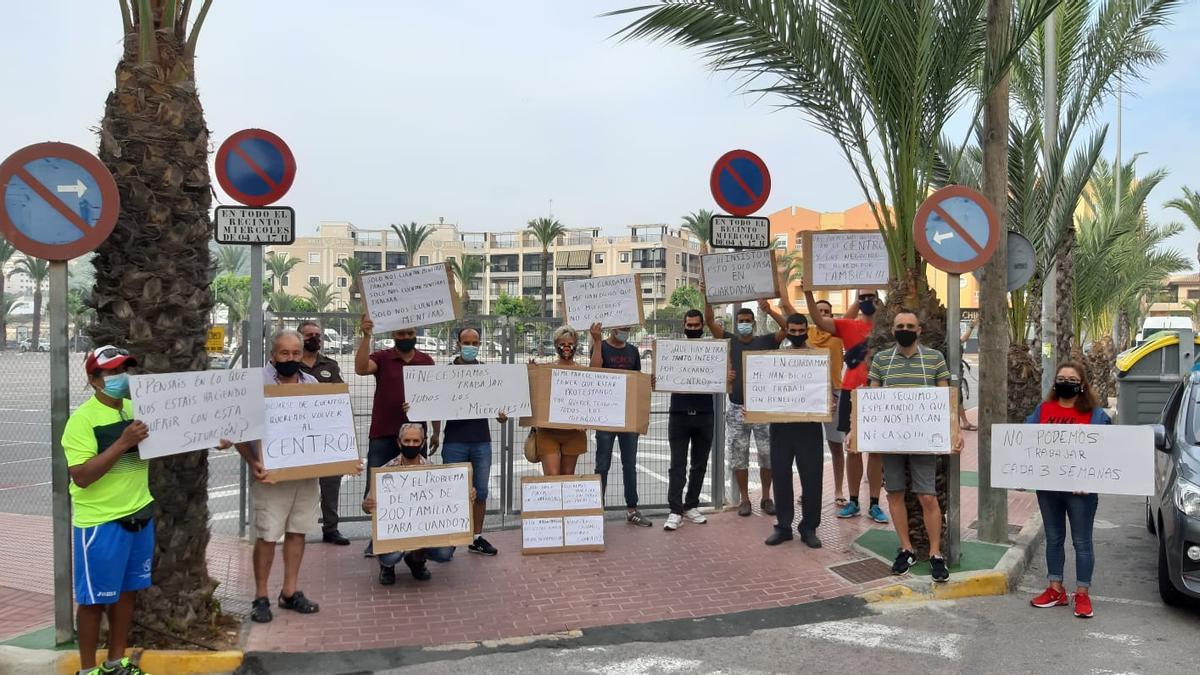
(470, 352)
(745, 328)
(117, 386)
(621, 335)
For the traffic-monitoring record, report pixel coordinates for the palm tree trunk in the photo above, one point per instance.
(3, 318)
(1064, 289)
(545, 267)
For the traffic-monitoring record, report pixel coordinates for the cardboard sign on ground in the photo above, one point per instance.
(421, 507)
(691, 366)
(613, 301)
(466, 391)
(1104, 459)
(560, 514)
(786, 385)
(844, 259)
(907, 420)
(194, 410)
(410, 297)
(604, 399)
(742, 275)
(309, 432)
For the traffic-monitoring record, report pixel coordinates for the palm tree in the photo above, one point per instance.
(321, 296)
(412, 238)
(279, 264)
(353, 267)
(38, 272)
(77, 311)
(699, 223)
(280, 302)
(7, 251)
(235, 296)
(232, 259)
(1188, 205)
(8, 302)
(465, 271)
(546, 231)
(152, 278)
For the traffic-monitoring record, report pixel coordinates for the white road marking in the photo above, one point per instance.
(19, 487)
(225, 515)
(31, 459)
(1129, 641)
(644, 665)
(1102, 524)
(875, 636)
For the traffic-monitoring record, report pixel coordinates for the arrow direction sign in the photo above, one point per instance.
(942, 236)
(78, 188)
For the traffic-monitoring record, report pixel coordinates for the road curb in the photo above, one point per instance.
(163, 661)
(1004, 577)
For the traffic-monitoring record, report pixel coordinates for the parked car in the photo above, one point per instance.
(431, 345)
(1173, 512)
(26, 345)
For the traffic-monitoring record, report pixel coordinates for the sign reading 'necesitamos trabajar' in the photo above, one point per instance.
(1105, 459)
(467, 391)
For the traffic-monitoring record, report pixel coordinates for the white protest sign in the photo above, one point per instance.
(583, 531)
(421, 506)
(195, 410)
(904, 420)
(691, 366)
(561, 514)
(587, 398)
(541, 533)
(738, 276)
(1101, 458)
(410, 297)
(581, 494)
(787, 386)
(309, 429)
(541, 496)
(835, 260)
(613, 301)
(467, 391)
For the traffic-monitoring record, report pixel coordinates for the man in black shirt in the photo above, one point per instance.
(616, 352)
(327, 371)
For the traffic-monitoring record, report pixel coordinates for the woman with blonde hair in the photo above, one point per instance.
(559, 449)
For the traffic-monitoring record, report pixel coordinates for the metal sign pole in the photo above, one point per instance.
(953, 478)
(254, 334)
(60, 409)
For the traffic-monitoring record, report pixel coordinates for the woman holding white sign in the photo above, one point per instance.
(559, 449)
(1070, 401)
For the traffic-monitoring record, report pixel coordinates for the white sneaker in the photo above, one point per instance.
(695, 516)
(673, 522)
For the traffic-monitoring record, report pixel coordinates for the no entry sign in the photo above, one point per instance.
(740, 182)
(60, 201)
(255, 167)
(956, 229)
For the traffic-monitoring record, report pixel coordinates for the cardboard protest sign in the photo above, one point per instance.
(560, 514)
(410, 297)
(741, 275)
(421, 506)
(788, 385)
(835, 259)
(691, 366)
(194, 410)
(613, 301)
(588, 398)
(309, 432)
(910, 420)
(466, 391)
(1102, 458)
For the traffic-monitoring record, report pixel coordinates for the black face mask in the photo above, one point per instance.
(905, 338)
(312, 345)
(287, 368)
(867, 307)
(798, 340)
(406, 345)
(409, 451)
(1067, 389)
(693, 333)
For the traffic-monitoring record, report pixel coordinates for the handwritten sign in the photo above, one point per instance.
(195, 410)
(834, 259)
(561, 514)
(1105, 459)
(466, 391)
(421, 506)
(309, 431)
(787, 386)
(613, 301)
(410, 298)
(741, 275)
(691, 366)
(587, 398)
(907, 420)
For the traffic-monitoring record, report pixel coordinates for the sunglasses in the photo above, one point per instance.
(1067, 380)
(112, 353)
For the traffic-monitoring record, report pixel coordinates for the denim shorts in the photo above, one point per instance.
(480, 456)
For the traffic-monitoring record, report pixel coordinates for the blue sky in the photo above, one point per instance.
(482, 112)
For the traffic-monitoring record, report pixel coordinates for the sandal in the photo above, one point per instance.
(299, 603)
(840, 501)
(968, 427)
(261, 610)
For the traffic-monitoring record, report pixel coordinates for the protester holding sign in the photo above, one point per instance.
(908, 364)
(1070, 401)
(326, 371)
(558, 450)
(737, 431)
(833, 436)
(617, 353)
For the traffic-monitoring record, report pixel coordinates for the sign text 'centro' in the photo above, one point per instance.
(251, 225)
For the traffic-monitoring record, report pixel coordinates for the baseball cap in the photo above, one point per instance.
(107, 358)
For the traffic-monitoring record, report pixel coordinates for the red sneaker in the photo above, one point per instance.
(1083, 606)
(1050, 597)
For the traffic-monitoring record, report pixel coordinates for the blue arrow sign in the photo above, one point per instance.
(957, 229)
(31, 193)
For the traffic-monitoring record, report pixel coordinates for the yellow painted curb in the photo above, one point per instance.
(981, 584)
(893, 593)
(167, 661)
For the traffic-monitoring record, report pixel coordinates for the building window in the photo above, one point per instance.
(396, 260)
(372, 261)
(283, 281)
(314, 258)
(341, 282)
(424, 260)
(677, 259)
(313, 281)
(341, 258)
(624, 256)
(599, 258)
(781, 241)
(1193, 294)
(450, 259)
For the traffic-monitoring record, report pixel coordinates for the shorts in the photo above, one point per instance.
(738, 433)
(569, 442)
(479, 454)
(110, 560)
(844, 409)
(288, 507)
(922, 467)
(832, 433)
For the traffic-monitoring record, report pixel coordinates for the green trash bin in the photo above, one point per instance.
(1148, 373)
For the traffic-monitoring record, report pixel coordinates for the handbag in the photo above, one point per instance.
(531, 455)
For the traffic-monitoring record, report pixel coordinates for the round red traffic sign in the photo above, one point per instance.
(57, 201)
(956, 229)
(740, 182)
(255, 167)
